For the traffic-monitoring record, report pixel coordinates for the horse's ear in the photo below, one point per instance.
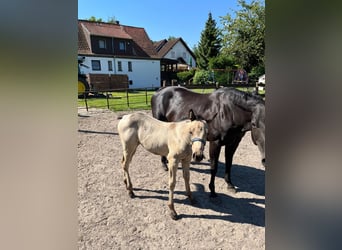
(192, 115)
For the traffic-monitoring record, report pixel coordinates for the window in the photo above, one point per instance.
(122, 46)
(130, 66)
(119, 66)
(184, 55)
(173, 54)
(96, 65)
(102, 44)
(110, 66)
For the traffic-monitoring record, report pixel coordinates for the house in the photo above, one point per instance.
(175, 56)
(113, 49)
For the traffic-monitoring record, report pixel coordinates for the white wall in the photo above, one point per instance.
(180, 50)
(145, 73)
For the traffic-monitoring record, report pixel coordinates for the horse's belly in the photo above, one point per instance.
(156, 148)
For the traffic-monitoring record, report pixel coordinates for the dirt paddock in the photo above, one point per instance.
(109, 219)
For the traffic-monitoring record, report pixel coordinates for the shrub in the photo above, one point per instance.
(185, 76)
(201, 76)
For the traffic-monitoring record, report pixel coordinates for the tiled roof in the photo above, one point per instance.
(106, 29)
(83, 46)
(166, 47)
(141, 38)
(143, 46)
(159, 45)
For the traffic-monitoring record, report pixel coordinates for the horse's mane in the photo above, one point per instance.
(242, 99)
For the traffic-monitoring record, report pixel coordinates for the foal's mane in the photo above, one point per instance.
(242, 99)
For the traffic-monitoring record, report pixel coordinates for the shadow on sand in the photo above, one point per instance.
(97, 132)
(245, 178)
(237, 210)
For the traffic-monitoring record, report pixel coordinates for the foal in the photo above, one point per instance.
(178, 141)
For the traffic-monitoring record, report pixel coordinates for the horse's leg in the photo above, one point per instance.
(186, 176)
(214, 153)
(164, 163)
(126, 160)
(229, 153)
(172, 183)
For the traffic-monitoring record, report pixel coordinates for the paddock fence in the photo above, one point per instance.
(140, 98)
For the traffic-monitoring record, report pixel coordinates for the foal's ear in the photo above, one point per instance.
(192, 115)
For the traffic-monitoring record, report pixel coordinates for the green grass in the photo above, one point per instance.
(138, 100)
(118, 101)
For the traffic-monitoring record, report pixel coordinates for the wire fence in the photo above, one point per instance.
(140, 98)
(118, 99)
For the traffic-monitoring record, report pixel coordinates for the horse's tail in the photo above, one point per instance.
(160, 102)
(158, 111)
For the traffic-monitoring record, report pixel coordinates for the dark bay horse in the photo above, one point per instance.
(237, 112)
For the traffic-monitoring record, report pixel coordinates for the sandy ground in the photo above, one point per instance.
(109, 219)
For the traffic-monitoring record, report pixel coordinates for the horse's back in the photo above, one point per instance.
(174, 103)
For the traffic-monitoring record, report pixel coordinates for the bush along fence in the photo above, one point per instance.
(140, 99)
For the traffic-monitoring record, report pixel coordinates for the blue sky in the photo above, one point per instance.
(161, 19)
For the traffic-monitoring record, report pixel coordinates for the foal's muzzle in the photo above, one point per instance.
(198, 156)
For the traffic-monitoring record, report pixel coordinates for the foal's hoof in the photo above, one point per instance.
(174, 215)
(231, 189)
(164, 166)
(131, 194)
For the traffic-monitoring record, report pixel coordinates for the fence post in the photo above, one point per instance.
(85, 100)
(146, 95)
(127, 98)
(107, 97)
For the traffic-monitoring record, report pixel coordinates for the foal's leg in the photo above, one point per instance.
(214, 153)
(164, 163)
(173, 163)
(186, 176)
(126, 160)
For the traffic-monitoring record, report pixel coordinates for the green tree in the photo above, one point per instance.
(244, 36)
(209, 45)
